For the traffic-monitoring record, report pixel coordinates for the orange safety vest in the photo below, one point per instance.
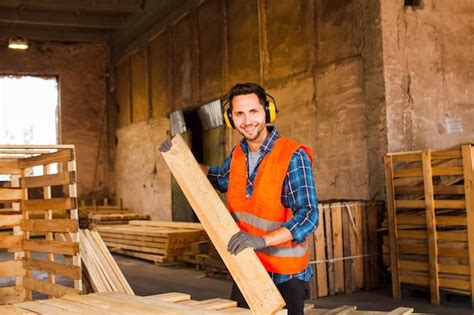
(263, 211)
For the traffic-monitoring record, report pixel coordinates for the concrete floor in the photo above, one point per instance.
(146, 279)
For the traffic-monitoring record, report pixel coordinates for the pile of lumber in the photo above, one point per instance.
(92, 215)
(166, 303)
(430, 220)
(157, 241)
(100, 271)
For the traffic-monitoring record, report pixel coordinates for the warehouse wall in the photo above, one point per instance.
(307, 54)
(81, 69)
(429, 72)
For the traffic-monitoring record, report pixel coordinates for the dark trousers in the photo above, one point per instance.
(292, 291)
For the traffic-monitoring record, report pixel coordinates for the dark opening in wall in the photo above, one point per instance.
(413, 3)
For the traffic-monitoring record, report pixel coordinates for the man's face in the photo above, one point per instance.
(249, 117)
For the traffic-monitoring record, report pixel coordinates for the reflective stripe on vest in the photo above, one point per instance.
(263, 212)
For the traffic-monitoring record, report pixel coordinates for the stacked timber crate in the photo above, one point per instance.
(346, 255)
(30, 175)
(431, 220)
(106, 214)
(156, 241)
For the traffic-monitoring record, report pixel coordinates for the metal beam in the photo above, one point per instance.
(68, 19)
(125, 6)
(48, 34)
(125, 41)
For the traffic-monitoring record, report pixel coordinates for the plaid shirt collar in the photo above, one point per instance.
(266, 146)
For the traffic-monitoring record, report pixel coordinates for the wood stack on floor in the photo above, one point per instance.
(157, 241)
(90, 216)
(166, 303)
(100, 269)
(27, 216)
(346, 256)
(430, 200)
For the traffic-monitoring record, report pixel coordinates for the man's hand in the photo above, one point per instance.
(241, 240)
(166, 145)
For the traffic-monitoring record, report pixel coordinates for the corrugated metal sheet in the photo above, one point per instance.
(178, 125)
(211, 115)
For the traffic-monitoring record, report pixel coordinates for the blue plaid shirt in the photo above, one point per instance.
(298, 194)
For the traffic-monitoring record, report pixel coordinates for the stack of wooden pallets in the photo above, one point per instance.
(346, 256)
(106, 214)
(42, 168)
(430, 200)
(160, 242)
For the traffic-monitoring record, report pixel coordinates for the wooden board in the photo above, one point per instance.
(248, 272)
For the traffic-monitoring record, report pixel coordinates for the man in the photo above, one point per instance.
(270, 193)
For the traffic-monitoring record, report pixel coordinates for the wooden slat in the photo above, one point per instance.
(408, 172)
(392, 226)
(40, 308)
(405, 156)
(9, 220)
(468, 165)
(56, 225)
(342, 310)
(50, 289)
(337, 243)
(401, 311)
(178, 225)
(9, 166)
(373, 245)
(68, 307)
(10, 194)
(12, 310)
(438, 204)
(444, 236)
(68, 271)
(437, 171)
(320, 252)
(11, 241)
(438, 190)
(46, 246)
(49, 204)
(357, 247)
(248, 272)
(63, 155)
(169, 297)
(65, 178)
(347, 250)
(431, 227)
(330, 250)
(11, 268)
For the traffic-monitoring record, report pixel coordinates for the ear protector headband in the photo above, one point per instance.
(269, 106)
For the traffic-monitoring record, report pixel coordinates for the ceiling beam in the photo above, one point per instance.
(47, 34)
(68, 19)
(133, 36)
(125, 6)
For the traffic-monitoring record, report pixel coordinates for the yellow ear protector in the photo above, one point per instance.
(269, 106)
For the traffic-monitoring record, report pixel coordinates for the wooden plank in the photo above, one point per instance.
(42, 308)
(431, 227)
(150, 257)
(216, 304)
(320, 251)
(313, 288)
(443, 268)
(56, 225)
(55, 290)
(9, 166)
(10, 220)
(373, 244)
(180, 225)
(347, 250)
(392, 226)
(10, 194)
(468, 166)
(63, 155)
(442, 236)
(440, 220)
(169, 297)
(330, 250)
(337, 243)
(12, 242)
(447, 170)
(405, 156)
(11, 310)
(446, 154)
(358, 247)
(74, 307)
(438, 204)
(48, 204)
(401, 311)
(46, 246)
(248, 272)
(68, 271)
(342, 310)
(438, 190)
(64, 178)
(11, 268)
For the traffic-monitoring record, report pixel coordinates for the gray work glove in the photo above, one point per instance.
(166, 145)
(241, 240)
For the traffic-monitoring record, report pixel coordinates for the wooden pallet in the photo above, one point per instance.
(28, 209)
(345, 256)
(160, 243)
(430, 199)
(166, 303)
